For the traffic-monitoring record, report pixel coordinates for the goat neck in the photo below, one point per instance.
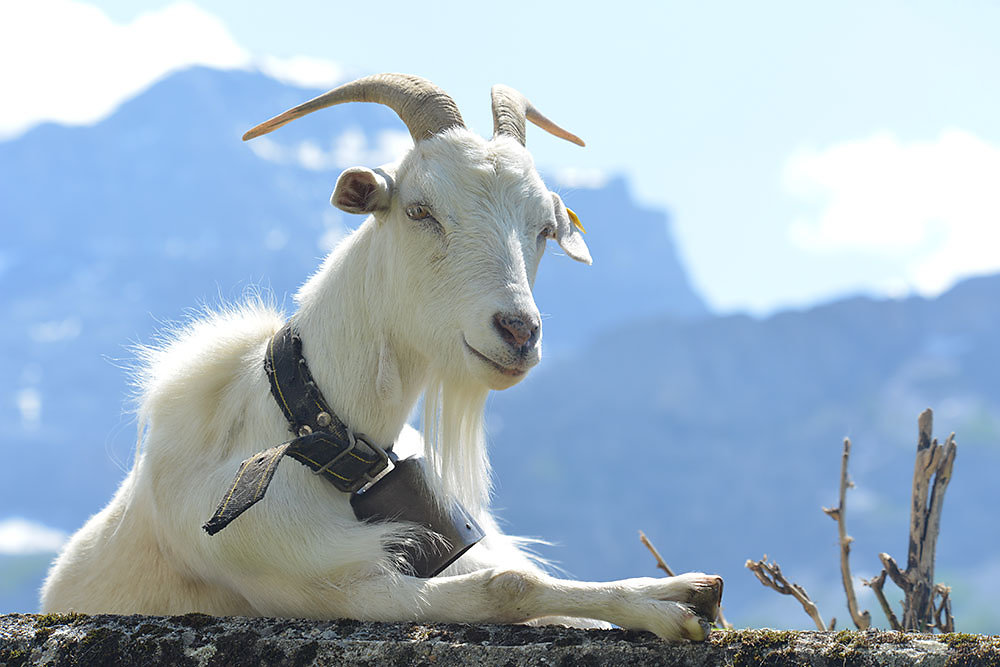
(369, 379)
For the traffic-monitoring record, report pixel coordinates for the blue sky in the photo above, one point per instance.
(807, 151)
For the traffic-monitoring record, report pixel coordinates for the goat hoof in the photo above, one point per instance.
(706, 596)
(696, 628)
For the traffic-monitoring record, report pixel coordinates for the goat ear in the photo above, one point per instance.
(362, 190)
(569, 234)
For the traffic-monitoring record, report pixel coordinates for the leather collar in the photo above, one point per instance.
(382, 488)
(322, 442)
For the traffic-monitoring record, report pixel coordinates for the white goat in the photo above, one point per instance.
(431, 295)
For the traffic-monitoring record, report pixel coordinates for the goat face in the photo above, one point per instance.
(461, 226)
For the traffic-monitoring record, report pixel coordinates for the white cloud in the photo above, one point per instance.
(580, 177)
(20, 536)
(29, 404)
(275, 239)
(931, 207)
(302, 71)
(56, 330)
(67, 61)
(75, 65)
(347, 149)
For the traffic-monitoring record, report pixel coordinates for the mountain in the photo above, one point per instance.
(114, 231)
(721, 438)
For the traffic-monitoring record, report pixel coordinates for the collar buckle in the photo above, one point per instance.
(383, 465)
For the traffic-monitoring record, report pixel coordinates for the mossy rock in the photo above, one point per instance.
(200, 640)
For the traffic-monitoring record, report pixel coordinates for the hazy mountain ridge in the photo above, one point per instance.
(729, 429)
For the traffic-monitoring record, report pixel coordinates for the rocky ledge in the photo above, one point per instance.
(200, 640)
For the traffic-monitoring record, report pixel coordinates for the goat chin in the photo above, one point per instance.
(453, 244)
(492, 374)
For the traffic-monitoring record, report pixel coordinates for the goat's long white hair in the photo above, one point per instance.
(452, 415)
(454, 440)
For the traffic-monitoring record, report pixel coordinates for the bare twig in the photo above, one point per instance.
(720, 619)
(862, 620)
(947, 623)
(770, 575)
(897, 576)
(660, 563)
(926, 605)
(935, 462)
(876, 584)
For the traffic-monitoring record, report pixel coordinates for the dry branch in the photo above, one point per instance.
(933, 462)
(770, 575)
(943, 620)
(876, 584)
(926, 605)
(660, 563)
(862, 620)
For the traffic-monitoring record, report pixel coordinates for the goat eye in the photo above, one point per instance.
(547, 232)
(418, 212)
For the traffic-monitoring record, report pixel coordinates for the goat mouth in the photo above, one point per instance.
(505, 370)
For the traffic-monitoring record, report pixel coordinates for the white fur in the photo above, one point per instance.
(393, 313)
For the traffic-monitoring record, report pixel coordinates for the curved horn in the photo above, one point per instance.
(511, 108)
(425, 108)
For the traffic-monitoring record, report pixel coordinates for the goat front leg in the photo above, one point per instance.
(673, 608)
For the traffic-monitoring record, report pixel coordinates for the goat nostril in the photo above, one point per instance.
(515, 331)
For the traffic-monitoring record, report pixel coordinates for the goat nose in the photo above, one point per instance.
(517, 330)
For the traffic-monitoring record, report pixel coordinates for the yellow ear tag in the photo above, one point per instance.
(575, 220)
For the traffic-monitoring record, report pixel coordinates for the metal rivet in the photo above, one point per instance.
(324, 419)
(305, 430)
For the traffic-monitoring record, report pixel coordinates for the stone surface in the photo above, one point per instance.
(199, 640)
